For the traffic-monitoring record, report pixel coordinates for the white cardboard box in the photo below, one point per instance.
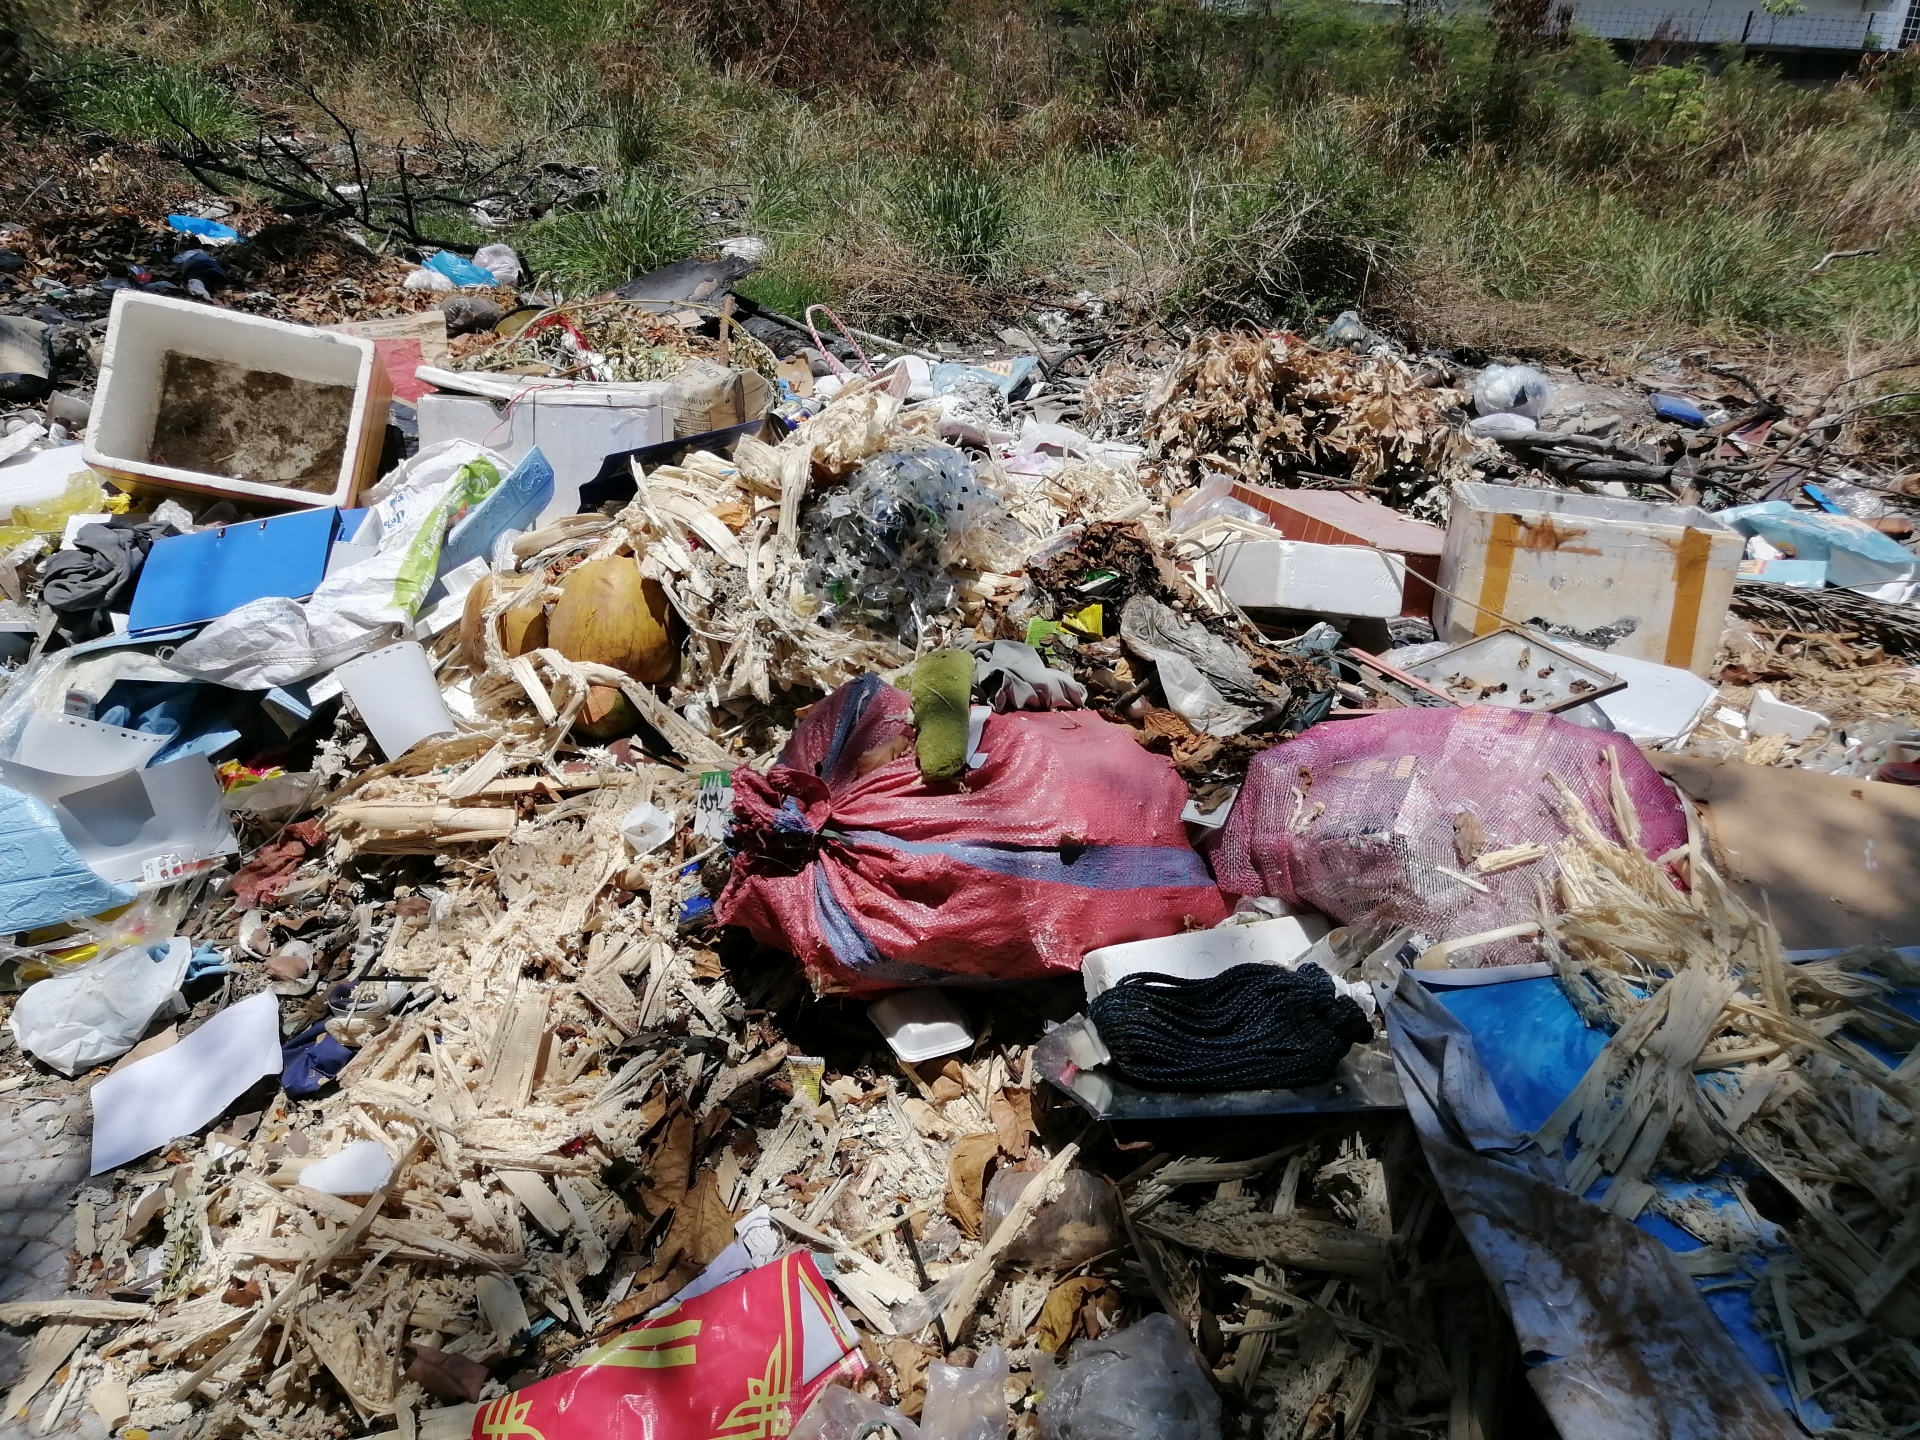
(1202, 954)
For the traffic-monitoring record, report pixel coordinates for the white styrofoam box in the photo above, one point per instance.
(1319, 579)
(1624, 576)
(920, 1024)
(1202, 954)
(142, 330)
(1768, 714)
(576, 428)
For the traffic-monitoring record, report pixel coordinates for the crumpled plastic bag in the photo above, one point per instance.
(98, 1012)
(843, 1414)
(1205, 678)
(273, 642)
(1512, 389)
(1011, 676)
(1141, 1383)
(967, 1403)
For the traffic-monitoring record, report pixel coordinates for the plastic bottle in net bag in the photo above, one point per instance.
(877, 550)
(1141, 1383)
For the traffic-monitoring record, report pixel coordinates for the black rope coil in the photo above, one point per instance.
(1254, 1027)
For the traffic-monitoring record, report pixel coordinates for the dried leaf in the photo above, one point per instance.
(909, 1363)
(1011, 1112)
(670, 1169)
(707, 1220)
(967, 1180)
(1061, 1314)
(447, 1376)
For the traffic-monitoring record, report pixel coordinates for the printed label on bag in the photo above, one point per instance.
(713, 807)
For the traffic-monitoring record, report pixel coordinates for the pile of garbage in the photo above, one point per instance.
(627, 867)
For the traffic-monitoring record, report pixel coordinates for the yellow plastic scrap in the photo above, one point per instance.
(1087, 622)
(83, 496)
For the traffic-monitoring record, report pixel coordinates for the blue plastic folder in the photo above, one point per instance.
(191, 579)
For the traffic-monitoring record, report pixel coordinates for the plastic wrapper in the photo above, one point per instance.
(843, 1414)
(1141, 1383)
(99, 1011)
(967, 1403)
(1512, 389)
(1213, 498)
(1356, 819)
(1079, 1224)
(1066, 838)
(1205, 678)
(746, 1358)
(359, 608)
(82, 496)
(878, 549)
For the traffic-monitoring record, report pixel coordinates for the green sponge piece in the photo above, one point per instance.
(942, 689)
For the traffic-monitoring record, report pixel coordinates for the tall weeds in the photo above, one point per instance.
(916, 159)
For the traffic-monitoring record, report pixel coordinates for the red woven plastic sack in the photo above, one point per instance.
(1354, 817)
(1067, 838)
(741, 1362)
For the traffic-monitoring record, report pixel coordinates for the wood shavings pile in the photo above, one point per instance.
(1330, 1289)
(1730, 1063)
(1273, 409)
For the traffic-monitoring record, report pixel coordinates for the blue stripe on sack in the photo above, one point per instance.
(1098, 867)
(853, 949)
(864, 689)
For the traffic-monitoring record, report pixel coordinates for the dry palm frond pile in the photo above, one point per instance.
(1731, 1064)
(609, 340)
(1273, 409)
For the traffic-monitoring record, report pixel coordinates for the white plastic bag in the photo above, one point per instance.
(1141, 1383)
(362, 606)
(1512, 389)
(99, 1011)
(965, 1404)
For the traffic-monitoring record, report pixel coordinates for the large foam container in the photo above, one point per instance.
(575, 427)
(1320, 579)
(198, 400)
(1624, 576)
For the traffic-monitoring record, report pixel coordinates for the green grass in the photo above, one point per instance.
(131, 100)
(644, 224)
(1272, 164)
(959, 214)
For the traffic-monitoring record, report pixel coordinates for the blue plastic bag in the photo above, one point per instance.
(461, 271)
(205, 229)
(1855, 552)
(310, 1060)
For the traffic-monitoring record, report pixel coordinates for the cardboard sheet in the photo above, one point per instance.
(1828, 860)
(183, 1088)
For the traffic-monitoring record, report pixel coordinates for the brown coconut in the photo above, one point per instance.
(606, 715)
(523, 624)
(609, 614)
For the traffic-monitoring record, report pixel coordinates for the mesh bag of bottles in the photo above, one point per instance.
(879, 549)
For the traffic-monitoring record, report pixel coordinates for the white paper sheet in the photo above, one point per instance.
(177, 1091)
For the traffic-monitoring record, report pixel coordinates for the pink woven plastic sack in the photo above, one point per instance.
(1067, 838)
(1354, 817)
